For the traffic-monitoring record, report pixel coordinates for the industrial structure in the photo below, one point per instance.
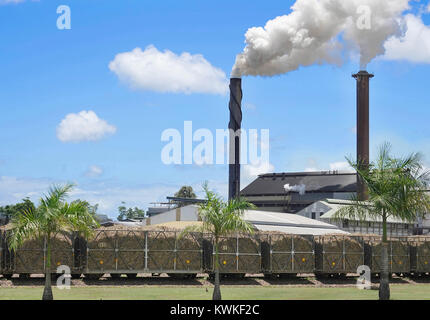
(234, 126)
(261, 220)
(363, 88)
(267, 192)
(326, 210)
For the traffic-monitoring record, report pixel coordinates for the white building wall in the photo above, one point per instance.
(316, 209)
(188, 213)
(163, 217)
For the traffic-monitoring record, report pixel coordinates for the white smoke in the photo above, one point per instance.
(320, 32)
(301, 188)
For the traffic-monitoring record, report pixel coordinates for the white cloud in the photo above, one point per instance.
(94, 171)
(341, 166)
(251, 172)
(10, 1)
(414, 46)
(109, 198)
(108, 195)
(334, 166)
(166, 71)
(249, 106)
(83, 126)
(13, 190)
(311, 169)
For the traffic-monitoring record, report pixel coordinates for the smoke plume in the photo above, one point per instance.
(301, 188)
(320, 32)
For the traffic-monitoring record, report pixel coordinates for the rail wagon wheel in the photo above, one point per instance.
(131, 275)
(288, 275)
(178, 276)
(235, 276)
(182, 276)
(93, 276)
(321, 276)
(54, 276)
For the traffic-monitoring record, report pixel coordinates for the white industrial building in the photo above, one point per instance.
(326, 210)
(262, 221)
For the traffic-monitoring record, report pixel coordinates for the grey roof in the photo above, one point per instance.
(289, 223)
(321, 181)
(335, 205)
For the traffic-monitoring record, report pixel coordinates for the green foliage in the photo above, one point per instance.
(10, 210)
(129, 213)
(186, 192)
(222, 218)
(52, 215)
(396, 187)
(92, 209)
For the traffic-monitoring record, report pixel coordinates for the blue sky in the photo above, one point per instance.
(47, 74)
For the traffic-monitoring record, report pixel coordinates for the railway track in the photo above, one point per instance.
(202, 280)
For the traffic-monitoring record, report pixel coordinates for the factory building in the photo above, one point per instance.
(323, 194)
(262, 221)
(268, 191)
(327, 209)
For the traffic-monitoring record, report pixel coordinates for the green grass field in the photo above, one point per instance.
(398, 292)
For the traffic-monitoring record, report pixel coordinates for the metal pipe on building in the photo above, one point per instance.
(234, 125)
(363, 80)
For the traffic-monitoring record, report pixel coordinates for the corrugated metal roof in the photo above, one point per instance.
(299, 230)
(289, 223)
(335, 205)
(314, 181)
(271, 221)
(265, 217)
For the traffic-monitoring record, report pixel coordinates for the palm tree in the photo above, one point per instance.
(53, 215)
(396, 188)
(220, 218)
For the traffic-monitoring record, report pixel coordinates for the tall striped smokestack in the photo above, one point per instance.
(235, 123)
(363, 80)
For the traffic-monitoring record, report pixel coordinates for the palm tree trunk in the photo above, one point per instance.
(47, 291)
(384, 284)
(217, 290)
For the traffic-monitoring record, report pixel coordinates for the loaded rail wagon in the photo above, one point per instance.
(117, 250)
(287, 254)
(31, 257)
(338, 255)
(1, 252)
(420, 255)
(398, 255)
(133, 251)
(239, 254)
